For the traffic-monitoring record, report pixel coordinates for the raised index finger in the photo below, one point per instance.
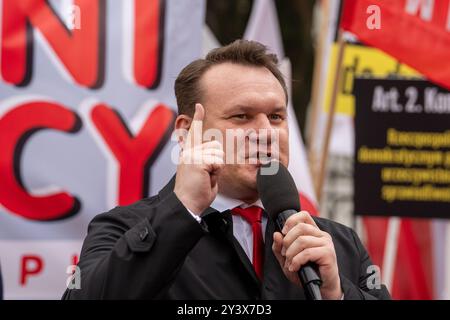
(195, 133)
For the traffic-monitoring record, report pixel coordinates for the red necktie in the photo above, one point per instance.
(253, 216)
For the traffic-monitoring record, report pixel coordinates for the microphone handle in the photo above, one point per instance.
(308, 274)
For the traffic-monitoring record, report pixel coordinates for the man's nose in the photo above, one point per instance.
(263, 130)
(262, 122)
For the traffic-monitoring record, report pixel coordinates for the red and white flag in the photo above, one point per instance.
(415, 32)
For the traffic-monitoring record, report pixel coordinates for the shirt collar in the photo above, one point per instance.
(222, 203)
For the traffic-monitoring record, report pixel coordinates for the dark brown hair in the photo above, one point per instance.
(251, 53)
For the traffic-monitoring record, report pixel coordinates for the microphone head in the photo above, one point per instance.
(278, 191)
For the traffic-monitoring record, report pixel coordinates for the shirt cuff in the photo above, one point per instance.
(196, 217)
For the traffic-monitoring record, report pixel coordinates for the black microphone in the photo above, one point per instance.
(280, 198)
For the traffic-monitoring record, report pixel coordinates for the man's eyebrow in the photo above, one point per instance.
(246, 108)
(280, 109)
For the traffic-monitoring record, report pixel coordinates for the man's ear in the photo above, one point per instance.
(182, 125)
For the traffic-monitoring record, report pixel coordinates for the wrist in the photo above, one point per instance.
(191, 207)
(334, 293)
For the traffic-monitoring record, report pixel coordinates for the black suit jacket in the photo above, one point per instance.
(154, 249)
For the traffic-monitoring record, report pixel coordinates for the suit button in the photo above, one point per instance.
(143, 234)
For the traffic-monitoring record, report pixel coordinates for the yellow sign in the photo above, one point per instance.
(361, 61)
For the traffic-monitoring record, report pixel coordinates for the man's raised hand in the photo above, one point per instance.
(199, 165)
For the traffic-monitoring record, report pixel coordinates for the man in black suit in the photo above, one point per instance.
(205, 235)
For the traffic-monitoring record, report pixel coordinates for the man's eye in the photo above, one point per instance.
(275, 117)
(240, 116)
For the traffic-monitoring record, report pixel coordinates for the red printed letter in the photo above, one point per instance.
(80, 50)
(16, 126)
(148, 41)
(133, 154)
(31, 265)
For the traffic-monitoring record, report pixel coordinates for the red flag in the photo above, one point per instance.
(416, 32)
(412, 260)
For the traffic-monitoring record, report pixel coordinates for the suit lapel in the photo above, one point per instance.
(271, 265)
(242, 255)
(221, 223)
(213, 221)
